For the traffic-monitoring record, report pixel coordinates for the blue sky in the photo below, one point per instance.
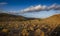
(17, 5)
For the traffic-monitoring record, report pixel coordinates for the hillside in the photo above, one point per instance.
(11, 17)
(53, 19)
(32, 27)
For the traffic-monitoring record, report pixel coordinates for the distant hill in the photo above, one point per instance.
(53, 19)
(10, 17)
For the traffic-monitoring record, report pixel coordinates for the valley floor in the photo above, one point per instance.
(29, 28)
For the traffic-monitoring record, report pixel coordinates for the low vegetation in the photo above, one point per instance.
(34, 27)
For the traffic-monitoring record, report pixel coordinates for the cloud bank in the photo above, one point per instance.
(38, 8)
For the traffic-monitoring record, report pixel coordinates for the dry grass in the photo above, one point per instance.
(30, 27)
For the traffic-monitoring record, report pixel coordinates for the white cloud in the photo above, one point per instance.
(54, 7)
(41, 8)
(3, 3)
